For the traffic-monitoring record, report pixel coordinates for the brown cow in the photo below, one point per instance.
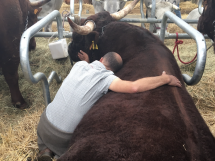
(158, 125)
(206, 23)
(16, 16)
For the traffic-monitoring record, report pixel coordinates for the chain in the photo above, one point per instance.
(26, 26)
(103, 28)
(65, 15)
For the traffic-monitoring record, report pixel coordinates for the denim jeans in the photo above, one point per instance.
(178, 12)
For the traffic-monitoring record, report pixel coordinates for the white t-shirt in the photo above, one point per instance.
(84, 85)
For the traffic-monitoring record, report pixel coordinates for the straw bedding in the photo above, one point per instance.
(18, 128)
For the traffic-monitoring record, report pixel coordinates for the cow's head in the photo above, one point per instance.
(161, 8)
(110, 6)
(86, 37)
(31, 18)
(206, 23)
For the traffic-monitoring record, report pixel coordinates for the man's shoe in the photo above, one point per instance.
(56, 157)
(45, 155)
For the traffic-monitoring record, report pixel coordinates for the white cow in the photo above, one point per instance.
(175, 2)
(111, 6)
(48, 8)
(161, 8)
(194, 15)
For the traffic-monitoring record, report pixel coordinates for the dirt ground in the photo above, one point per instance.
(18, 139)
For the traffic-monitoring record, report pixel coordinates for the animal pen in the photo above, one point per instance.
(33, 31)
(201, 46)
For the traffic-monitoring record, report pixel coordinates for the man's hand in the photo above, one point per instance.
(173, 81)
(83, 56)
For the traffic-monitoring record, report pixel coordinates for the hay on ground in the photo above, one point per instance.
(18, 139)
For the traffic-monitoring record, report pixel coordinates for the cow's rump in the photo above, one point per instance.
(162, 124)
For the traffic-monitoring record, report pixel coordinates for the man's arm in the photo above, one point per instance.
(143, 84)
(83, 56)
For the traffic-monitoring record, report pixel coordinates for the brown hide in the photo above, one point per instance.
(12, 24)
(158, 125)
(205, 23)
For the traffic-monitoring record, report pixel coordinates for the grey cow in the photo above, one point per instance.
(175, 2)
(48, 8)
(161, 8)
(194, 15)
(111, 6)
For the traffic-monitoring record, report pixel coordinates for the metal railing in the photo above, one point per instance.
(55, 15)
(142, 13)
(24, 54)
(136, 20)
(152, 20)
(68, 34)
(72, 7)
(201, 46)
(152, 15)
(200, 7)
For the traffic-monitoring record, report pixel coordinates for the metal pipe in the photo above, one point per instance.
(152, 15)
(45, 85)
(68, 34)
(137, 20)
(24, 52)
(80, 8)
(65, 19)
(201, 46)
(72, 6)
(153, 20)
(142, 13)
(72, 10)
(200, 7)
(181, 36)
(54, 75)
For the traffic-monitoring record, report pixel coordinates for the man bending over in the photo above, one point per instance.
(84, 85)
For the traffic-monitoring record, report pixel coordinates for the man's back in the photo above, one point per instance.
(84, 85)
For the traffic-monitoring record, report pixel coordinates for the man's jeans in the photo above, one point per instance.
(178, 12)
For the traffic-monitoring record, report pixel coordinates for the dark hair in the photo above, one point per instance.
(112, 61)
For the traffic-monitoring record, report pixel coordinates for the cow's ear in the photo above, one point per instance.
(92, 36)
(37, 11)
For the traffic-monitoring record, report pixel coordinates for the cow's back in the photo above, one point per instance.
(49, 7)
(11, 27)
(161, 124)
(194, 14)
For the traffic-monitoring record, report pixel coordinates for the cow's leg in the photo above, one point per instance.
(48, 27)
(178, 12)
(10, 72)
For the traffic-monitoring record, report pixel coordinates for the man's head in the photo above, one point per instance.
(112, 61)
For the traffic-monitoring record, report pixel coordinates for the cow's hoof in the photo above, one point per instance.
(21, 106)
